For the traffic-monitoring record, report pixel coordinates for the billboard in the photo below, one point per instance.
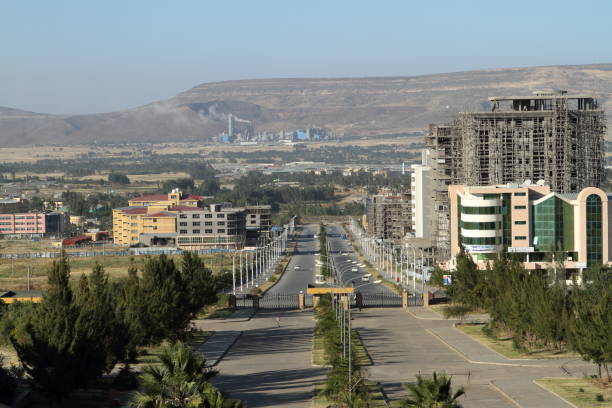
(480, 248)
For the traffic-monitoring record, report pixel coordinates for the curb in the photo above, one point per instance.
(504, 394)
(500, 354)
(466, 358)
(283, 271)
(555, 394)
(227, 349)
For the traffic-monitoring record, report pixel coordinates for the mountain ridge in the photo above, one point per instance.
(364, 106)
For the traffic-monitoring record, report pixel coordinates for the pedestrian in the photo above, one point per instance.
(277, 320)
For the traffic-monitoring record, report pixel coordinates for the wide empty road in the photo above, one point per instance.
(296, 280)
(271, 366)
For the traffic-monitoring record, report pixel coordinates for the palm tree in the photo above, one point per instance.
(180, 381)
(434, 392)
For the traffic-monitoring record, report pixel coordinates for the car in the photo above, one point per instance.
(297, 267)
(366, 278)
(319, 279)
(354, 270)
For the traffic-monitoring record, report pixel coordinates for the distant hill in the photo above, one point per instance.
(347, 106)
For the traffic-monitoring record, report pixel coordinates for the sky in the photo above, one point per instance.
(74, 57)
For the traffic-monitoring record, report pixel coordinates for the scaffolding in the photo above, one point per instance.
(389, 215)
(549, 137)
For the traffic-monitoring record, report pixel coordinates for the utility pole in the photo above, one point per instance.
(234, 274)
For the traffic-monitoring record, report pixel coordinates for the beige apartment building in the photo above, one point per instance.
(539, 227)
(180, 220)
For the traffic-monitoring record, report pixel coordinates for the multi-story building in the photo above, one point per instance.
(182, 221)
(421, 198)
(31, 225)
(389, 215)
(549, 136)
(539, 227)
(258, 218)
(13, 205)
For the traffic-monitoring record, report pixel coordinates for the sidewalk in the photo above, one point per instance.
(217, 345)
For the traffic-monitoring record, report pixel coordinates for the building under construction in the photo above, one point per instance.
(549, 137)
(389, 215)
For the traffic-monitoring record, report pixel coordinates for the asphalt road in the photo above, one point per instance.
(345, 263)
(296, 280)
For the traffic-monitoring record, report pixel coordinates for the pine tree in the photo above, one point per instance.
(200, 286)
(46, 344)
(166, 302)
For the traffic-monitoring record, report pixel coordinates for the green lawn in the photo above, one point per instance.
(376, 396)
(569, 389)
(504, 345)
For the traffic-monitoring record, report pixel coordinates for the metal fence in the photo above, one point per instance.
(130, 252)
(271, 301)
(381, 299)
(279, 301)
(415, 300)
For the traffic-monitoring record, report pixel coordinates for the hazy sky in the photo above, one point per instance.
(86, 56)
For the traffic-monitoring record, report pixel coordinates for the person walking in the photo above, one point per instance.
(277, 320)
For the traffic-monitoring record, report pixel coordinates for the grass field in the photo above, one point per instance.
(504, 345)
(13, 273)
(570, 389)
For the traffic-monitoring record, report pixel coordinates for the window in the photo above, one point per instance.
(593, 230)
(253, 216)
(480, 210)
(520, 238)
(207, 215)
(195, 216)
(220, 215)
(196, 231)
(183, 216)
(182, 224)
(183, 231)
(520, 222)
(155, 228)
(521, 194)
(208, 231)
(481, 241)
(195, 224)
(520, 207)
(480, 225)
(221, 223)
(253, 222)
(221, 231)
(208, 223)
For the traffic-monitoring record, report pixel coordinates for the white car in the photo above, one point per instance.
(366, 278)
(319, 279)
(354, 270)
(297, 267)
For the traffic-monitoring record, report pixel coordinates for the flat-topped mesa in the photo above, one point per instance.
(543, 100)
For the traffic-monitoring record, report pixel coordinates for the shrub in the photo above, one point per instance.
(599, 398)
(126, 380)
(8, 386)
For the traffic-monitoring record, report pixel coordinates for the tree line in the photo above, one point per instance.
(538, 309)
(80, 331)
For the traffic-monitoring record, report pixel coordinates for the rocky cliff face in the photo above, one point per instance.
(349, 106)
